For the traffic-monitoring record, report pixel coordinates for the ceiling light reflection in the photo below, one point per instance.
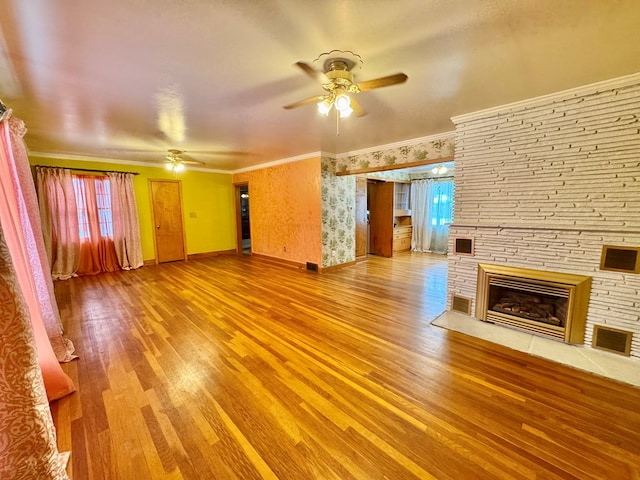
(170, 106)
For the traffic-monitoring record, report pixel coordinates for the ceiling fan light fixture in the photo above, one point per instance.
(174, 165)
(345, 111)
(343, 102)
(337, 80)
(324, 107)
(439, 170)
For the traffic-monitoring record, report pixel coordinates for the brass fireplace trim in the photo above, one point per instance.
(578, 288)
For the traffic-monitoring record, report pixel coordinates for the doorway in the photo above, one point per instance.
(166, 208)
(380, 200)
(242, 217)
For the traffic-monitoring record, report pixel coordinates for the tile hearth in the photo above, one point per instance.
(623, 369)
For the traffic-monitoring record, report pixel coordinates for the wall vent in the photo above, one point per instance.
(461, 304)
(620, 259)
(463, 246)
(612, 340)
(312, 267)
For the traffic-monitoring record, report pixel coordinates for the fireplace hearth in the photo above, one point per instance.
(552, 304)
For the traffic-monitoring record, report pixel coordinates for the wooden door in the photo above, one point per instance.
(381, 218)
(166, 207)
(361, 216)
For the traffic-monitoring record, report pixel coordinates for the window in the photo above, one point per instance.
(103, 197)
(93, 197)
(442, 211)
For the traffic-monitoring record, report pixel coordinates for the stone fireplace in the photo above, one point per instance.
(547, 184)
(552, 304)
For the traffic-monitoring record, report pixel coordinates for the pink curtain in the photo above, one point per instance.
(57, 383)
(59, 216)
(97, 250)
(90, 224)
(126, 227)
(28, 440)
(23, 189)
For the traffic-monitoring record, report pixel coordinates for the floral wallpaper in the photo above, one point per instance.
(427, 150)
(338, 215)
(395, 175)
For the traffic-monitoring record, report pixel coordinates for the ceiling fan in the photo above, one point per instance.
(337, 80)
(175, 159)
(176, 162)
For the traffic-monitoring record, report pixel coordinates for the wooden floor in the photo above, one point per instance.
(233, 368)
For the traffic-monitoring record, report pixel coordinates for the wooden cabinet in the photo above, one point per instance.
(401, 199)
(402, 238)
(389, 217)
(402, 227)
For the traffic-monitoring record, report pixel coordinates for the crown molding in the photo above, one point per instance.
(282, 161)
(584, 90)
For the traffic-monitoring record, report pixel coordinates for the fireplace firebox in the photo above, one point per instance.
(553, 304)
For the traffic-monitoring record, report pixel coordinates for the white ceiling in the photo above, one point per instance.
(129, 79)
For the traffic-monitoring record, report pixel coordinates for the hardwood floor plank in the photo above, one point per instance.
(79, 467)
(235, 368)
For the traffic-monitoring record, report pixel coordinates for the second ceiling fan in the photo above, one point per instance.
(338, 82)
(176, 162)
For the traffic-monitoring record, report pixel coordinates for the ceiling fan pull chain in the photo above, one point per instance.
(337, 123)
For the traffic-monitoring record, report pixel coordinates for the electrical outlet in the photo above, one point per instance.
(333, 253)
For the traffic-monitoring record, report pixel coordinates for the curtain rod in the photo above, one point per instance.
(433, 178)
(87, 169)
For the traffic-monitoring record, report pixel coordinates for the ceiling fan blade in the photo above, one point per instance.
(316, 99)
(312, 72)
(178, 156)
(382, 82)
(357, 108)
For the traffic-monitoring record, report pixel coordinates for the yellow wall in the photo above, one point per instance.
(210, 196)
(285, 210)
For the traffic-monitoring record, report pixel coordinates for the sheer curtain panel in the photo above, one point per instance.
(432, 212)
(59, 215)
(422, 191)
(126, 226)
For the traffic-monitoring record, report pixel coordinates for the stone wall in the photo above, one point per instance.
(545, 183)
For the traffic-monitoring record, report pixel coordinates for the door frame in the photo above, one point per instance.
(237, 187)
(153, 216)
(362, 203)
